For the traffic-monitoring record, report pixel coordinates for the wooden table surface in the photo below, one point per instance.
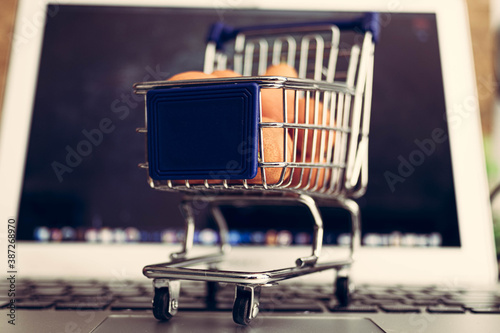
(7, 14)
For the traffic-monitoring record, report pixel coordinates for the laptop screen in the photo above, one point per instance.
(81, 179)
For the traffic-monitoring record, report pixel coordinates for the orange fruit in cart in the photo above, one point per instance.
(272, 99)
(274, 151)
(272, 106)
(191, 75)
(310, 132)
(282, 69)
(225, 73)
(317, 174)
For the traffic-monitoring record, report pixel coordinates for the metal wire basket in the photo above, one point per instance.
(284, 140)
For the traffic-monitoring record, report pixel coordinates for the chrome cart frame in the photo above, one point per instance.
(333, 169)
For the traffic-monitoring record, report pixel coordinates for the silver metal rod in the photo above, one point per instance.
(209, 57)
(275, 82)
(357, 109)
(223, 229)
(353, 208)
(223, 276)
(187, 210)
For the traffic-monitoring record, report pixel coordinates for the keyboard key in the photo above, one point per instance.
(359, 297)
(19, 292)
(441, 294)
(326, 289)
(423, 303)
(124, 286)
(97, 291)
(467, 299)
(387, 297)
(93, 299)
(120, 285)
(81, 305)
(445, 309)
(304, 287)
(423, 297)
(49, 284)
(379, 302)
(480, 305)
(149, 285)
(279, 294)
(370, 289)
(194, 292)
(228, 291)
(34, 304)
(85, 284)
(127, 293)
(354, 308)
(5, 286)
(194, 284)
(138, 299)
(52, 291)
(311, 294)
(472, 303)
(150, 292)
(486, 309)
(134, 306)
(399, 308)
(290, 307)
(55, 299)
(416, 291)
(297, 300)
(17, 300)
(191, 299)
(481, 293)
(224, 298)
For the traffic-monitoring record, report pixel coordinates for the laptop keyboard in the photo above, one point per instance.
(135, 296)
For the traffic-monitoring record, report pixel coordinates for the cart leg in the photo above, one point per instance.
(353, 209)
(342, 288)
(318, 232)
(187, 212)
(166, 298)
(246, 304)
(212, 289)
(343, 285)
(222, 225)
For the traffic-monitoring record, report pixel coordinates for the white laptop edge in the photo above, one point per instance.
(474, 262)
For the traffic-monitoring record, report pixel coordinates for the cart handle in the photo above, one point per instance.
(220, 32)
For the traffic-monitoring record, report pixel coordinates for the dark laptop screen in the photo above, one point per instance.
(82, 182)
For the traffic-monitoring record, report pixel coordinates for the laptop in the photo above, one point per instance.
(84, 214)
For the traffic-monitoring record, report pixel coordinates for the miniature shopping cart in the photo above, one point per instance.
(213, 140)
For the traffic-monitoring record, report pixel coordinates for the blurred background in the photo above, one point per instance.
(485, 31)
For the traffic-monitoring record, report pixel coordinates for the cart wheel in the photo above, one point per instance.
(241, 309)
(161, 303)
(342, 290)
(212, 289)
(246, 305)
(211, 299)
